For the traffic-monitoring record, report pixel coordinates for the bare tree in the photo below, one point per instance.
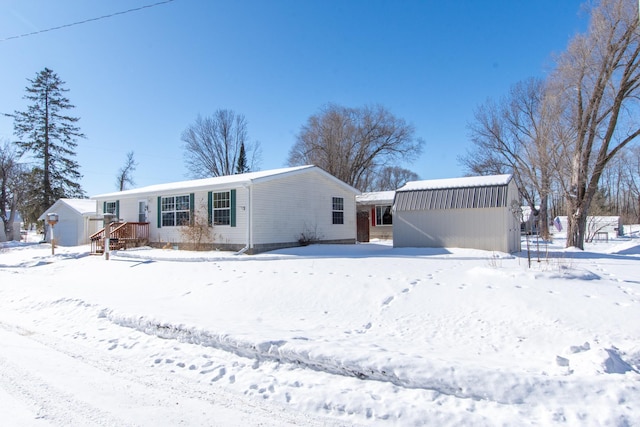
(12, 187)
(125, 174)
(516, 135)
(391, 178)
(599, 78)
(213, 144)
(352, 143)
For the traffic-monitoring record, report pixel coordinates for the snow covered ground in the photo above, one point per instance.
(323, 335)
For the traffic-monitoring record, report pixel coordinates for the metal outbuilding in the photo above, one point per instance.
(473, 212)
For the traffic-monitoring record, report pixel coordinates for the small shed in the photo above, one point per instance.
(473, 212)
(78, 220)
(375, 218)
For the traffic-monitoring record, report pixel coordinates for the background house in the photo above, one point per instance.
(598, 227)
(472, 212)
(252, 212)
(78, 220)
(17, 225)
(375, 219)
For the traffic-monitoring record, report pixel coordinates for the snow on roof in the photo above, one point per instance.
(375, 197)
(206, 182)
(469, 181)
(84, 206)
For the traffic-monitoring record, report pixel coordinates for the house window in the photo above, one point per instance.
(383, 215)
(175, 211)
(110, 208)
(222, 208)
(338, 210)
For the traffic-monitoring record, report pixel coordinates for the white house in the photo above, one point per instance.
(471, 212)
(598, 227)
(17, 223)
(78, 220)
(252, 212)
(375, 218)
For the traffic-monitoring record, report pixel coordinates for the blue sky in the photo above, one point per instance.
(139, 79)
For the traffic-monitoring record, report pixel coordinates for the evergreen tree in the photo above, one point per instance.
(242, 166)
(49, 136)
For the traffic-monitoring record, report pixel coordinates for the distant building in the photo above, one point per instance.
(598, 227)
(17, 225)
(375, 219)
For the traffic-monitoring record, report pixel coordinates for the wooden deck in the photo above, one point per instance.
(123, 235)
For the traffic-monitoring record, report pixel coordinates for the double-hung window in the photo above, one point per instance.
(221, 208)
(175, 211)
(110, 207)
(383, 215)
(338, 210)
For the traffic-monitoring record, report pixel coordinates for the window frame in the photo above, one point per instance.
(175, 211)
(221, 212)
(108, 205)
(337, 210)
(380, 209)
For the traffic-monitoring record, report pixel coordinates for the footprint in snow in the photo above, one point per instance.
(221, 373)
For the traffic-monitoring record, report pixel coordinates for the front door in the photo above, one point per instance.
(363, 226)
(142, 211)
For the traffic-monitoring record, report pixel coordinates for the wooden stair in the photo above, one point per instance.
(123, 235)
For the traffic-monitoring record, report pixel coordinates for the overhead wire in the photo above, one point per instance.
(111, 15)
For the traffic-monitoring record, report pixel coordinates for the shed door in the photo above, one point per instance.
(363, 226)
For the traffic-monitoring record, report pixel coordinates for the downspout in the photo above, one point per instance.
(248, 186)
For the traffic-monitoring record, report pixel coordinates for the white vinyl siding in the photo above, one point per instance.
(285, 208)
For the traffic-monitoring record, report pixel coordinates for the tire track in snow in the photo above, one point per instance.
(136, 387)
(50, 402)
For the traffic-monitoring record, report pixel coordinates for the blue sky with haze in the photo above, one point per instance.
(139, 79)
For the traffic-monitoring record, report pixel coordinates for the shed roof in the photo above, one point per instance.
(221, 181)
(81, 206)
(465, 182)
(459, 193)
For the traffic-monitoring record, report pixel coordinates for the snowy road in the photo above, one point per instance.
(45, 380)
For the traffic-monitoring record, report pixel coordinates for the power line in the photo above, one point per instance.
(111, 15)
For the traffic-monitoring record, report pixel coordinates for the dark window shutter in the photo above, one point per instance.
(210, 208)
(373, 217)
(117, 210)
(192, 210)
(159, 212)
(232, 196)
(104, 207)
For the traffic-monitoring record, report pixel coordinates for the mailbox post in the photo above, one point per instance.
(52, 219)
(108, 219)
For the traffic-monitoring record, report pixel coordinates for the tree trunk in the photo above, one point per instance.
(543, 217)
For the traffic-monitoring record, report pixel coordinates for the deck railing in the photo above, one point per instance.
(122, 235)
